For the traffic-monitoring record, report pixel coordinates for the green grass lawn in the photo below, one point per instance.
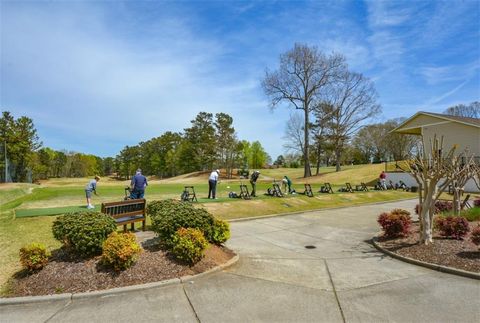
(472, 214)
(32, 203)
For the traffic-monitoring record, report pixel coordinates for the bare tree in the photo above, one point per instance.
(352, 100)
(461, 110)
(294, 134)
(399, 146)
(434, 171)
(319, 129)
(303, 72)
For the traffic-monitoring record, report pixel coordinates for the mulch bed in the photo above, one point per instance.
(63, 274)
(460, 254)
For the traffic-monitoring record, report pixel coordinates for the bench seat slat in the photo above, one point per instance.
(125, 212)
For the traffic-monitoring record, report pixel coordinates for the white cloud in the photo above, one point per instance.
(439, 98)
(387, 14)
(91, 82)
(448, 73)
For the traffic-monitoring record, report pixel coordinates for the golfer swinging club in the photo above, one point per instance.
(91, 187)
(212, 183)
(253, 182)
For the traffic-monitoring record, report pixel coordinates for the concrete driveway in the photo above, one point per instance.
(341, 278)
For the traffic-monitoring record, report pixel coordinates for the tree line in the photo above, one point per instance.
(210, 142)
(372, 143)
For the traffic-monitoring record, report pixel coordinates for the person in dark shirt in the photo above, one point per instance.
(138, 185)
(253, 182)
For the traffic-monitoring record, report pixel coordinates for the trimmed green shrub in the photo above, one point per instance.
(120, 250)
(475, 236)
(220, 232)
(189, 245)
(168, 216)
(455, 227)
(83, 232)
(394, 224)
(472, 214)
(34, 256)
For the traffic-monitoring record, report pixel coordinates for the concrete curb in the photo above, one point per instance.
(113, 291)
(229, 263)
(35, 299)
(315, 210)
(443, 269)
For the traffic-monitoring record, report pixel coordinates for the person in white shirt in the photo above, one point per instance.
(212, 183)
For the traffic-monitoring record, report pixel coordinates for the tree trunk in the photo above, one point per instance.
(456, 198)
(307, 171)
(338, 155)
(426, 213)
(319, 150)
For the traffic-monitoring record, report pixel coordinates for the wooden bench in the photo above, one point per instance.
(125, 212)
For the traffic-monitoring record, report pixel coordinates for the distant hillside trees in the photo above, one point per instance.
(376, 142)
(48, 163)
(210, 142)
(18, 137)
(471, 110)
(29, 161)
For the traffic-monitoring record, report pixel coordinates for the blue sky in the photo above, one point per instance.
(96, 76)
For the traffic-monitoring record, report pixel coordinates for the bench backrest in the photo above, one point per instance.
(124, 208)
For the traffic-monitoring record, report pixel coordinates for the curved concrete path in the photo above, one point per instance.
(343, 279)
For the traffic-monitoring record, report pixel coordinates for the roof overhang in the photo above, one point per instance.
(417, 130)
(408, 131)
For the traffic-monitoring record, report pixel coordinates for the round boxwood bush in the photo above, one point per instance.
(83, 232)
(168, 216)
(120, 250)
(220, 231)
(34, 256)
(189, 245)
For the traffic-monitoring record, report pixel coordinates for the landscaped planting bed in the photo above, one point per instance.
(94, 256)
(66, 274)
(461, 254)
(456, 239)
